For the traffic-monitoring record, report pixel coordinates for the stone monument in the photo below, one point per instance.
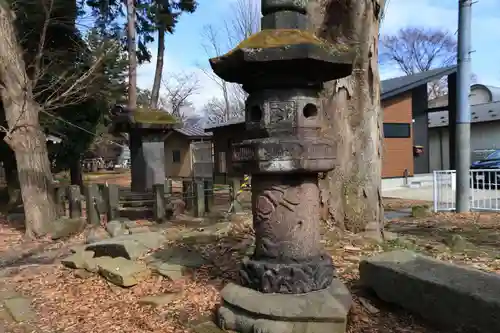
(288, 284)
(147, 131)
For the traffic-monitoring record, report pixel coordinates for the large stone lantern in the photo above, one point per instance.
(288, 284)
(147, 130)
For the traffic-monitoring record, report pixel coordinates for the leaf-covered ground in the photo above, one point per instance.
(66, 303)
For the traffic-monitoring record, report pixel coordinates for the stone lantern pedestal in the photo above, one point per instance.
(288, 284)
(147, 131)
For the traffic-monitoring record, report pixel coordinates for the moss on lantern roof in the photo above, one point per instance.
(282, 37)
(148, 116)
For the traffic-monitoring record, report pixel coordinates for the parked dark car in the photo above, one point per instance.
(481, 177)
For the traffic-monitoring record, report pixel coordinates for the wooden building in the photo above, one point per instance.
(188, 154)
(405, 106)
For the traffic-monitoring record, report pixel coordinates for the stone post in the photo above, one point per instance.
(188, 193)
(288, 284)
(75, 201)
(111, 194)
(235, 190)
(208, 185)
(199, 198)
(159, 207)
(91, 204)
(168, 186)
(61, 201)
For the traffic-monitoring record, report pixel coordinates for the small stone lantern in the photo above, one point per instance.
(288, 284)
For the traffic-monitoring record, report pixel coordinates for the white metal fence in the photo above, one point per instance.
(484, 195)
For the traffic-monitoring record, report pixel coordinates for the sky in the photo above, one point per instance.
(185, 52)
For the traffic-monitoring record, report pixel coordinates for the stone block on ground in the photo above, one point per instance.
(170, 271)
(122, 272)
(178, 256)
(83, 273)
(78, 259)
(19, 308)
(127, 246)
(115, 228)
(420, 211)
(139, 230)
(96, 234)
(455, 296)
(158, 300)
(65, 227)
(207, 327)
(208, 233)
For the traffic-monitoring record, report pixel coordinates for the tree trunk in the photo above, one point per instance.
(132, 57)
(75, 173)
(351, 194)
(11, 178)
(155, 92)
(25, 136)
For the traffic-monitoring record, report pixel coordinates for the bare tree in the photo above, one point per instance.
(419, 49)
(19, 77)
(242, 21)
(179, 88)
(351, 194)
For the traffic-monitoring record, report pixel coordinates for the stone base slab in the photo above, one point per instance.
(455, 296)
(245, 310)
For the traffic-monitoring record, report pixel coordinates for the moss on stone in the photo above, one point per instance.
(146, 116)
(283, 37)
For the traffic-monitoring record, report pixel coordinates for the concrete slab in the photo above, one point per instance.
(458, 297)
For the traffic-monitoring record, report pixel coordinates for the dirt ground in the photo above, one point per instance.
(65, 303)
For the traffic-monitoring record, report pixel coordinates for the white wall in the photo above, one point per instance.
(483, 136)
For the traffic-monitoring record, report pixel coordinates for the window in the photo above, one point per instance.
(397, 130)
(176, 156)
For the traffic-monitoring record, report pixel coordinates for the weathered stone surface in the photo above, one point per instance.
(457, 243)
(83, 274)
(78, 259)
(208, 233)
(65, 227)
(96, 234)
(158, 300)
(19, 309)
(122, 272)
(127, 246)
(420, 211)
(179, 256)
(247, 310)
(171, 271)
(456, 296)
(207, 327)
(115, 228)
(139, 230)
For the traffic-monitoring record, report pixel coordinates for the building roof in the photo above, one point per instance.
(193, 132)
(402, 84)
(389, 88)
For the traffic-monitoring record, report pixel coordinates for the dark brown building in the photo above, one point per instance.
(405, 104)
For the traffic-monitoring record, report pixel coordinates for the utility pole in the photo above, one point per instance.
(462, 143)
